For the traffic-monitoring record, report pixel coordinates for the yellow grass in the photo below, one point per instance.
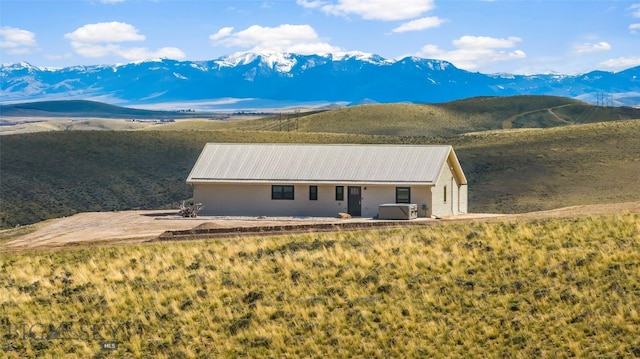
(542, 288)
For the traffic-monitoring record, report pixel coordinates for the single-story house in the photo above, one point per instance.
(323, 180)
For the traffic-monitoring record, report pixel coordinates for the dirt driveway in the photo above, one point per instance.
(127, 227)
(131, 227)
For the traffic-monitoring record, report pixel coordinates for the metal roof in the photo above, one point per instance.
(310, 163)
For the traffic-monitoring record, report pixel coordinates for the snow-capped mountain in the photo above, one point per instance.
(337, 77)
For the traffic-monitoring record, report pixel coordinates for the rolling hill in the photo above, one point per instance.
(53, 174)
(84, 108)
(401, 119)
(446, 119)
(555, 152)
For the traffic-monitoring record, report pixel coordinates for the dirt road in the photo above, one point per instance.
(129, 227)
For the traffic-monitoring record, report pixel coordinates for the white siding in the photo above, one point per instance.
(374, 196)
(464, 199)
(423, 197)
(456, 197)
(255, 200)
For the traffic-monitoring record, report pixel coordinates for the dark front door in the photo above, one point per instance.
(354, 201)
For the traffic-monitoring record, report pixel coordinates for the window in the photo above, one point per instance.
(313, 193)
(339, 193)
(281, 192)
(445, 194)
(403, 194)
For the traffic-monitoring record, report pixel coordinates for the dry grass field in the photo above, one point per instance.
(46, 124)
(546, 287)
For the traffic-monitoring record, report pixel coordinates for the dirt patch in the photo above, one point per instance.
(592, 210)
(97, 227)
(129, 227)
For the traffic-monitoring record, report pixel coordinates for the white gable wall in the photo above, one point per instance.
(455, 201)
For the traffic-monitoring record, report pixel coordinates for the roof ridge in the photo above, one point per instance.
(325, 144)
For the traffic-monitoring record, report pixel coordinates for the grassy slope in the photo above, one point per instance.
(551, 288)
(83, 108)
(395, 120)
(447, 119)
(53, 174)
(47, 175)
(548, 168)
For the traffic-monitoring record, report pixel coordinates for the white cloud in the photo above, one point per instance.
(17, 41)
(635, 10)
(111, 1)
(129, 53)
(621, 62)
(374, 9)
(420, 24)
(474, 52)
(484, 42)
(310, 4)
(634, 29)
(222, 33)
(58, 57)
(141, 53)
(586, 47)
(102, 39)
(94, 50)
(301, 39)
(105, 32)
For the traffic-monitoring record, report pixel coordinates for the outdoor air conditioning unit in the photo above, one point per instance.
(398, 211)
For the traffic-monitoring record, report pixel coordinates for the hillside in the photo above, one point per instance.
(399, 119)
(46, 175)
(537, 111)
(83, 108)
(447, 119)
(547, 288)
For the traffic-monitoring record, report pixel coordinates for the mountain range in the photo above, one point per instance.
(254, 80)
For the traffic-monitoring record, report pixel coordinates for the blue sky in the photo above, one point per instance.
(511, 36)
